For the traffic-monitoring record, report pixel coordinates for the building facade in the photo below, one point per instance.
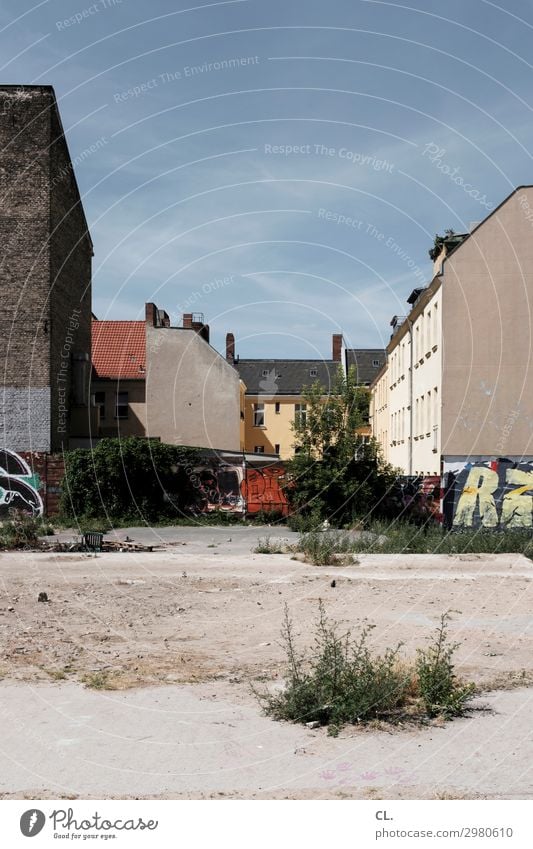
(275, 391)
(453, 396)
(153, 380)
(45, 278)
(118, 385)
(193, 395)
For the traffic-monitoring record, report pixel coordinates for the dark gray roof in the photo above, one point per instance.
(365, 359)
(285, 377)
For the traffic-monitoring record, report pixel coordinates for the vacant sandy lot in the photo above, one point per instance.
(178, 634)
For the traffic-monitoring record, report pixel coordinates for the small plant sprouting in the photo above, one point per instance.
(327, 548)
(440, 691)
(267, 546)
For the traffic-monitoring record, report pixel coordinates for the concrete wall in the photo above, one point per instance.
(192, 393)
(487, 328)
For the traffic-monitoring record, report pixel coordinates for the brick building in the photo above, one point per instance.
(45, 278)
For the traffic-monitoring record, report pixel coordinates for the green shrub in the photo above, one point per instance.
(267, 546)
(326, 548)
(22, 531)
(304, 522)
(440, 691)
(268, 517)
(136, 479)
(341, 683)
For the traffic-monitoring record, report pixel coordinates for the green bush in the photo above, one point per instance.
(22, 531)
(136, 479)
(326, 548)
(334, 474)
(440, 691)
(304, 522)
(267, 546)
(268, 517)
(343, 682)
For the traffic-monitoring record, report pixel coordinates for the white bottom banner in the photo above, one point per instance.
(268, 824)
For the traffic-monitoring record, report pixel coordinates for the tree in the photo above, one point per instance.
(439, 243)
(336, 474)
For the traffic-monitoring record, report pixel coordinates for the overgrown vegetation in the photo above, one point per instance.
(402, 537)
(440, 691)
(327, 548)
(22, 531)
(131, 480)
(343, 682)
(265, 545)
(335, 475)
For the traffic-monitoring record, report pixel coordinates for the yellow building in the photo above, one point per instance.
(274, 395)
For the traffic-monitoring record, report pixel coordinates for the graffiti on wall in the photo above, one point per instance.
(496, 494)
(263, 490)
(19, 488)
(232, 489)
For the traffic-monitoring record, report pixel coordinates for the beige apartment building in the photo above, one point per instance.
(454, 396)
(153, 380)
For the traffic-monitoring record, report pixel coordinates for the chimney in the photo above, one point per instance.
(337, 347)
(230, 348)
(150, 311)
(195, 321)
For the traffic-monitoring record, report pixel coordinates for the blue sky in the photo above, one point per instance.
(281, 167)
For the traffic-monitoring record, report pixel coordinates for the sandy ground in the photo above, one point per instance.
(179, 634)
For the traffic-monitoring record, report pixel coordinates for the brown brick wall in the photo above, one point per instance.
(51, 469)
(24, 217)
(45, 271)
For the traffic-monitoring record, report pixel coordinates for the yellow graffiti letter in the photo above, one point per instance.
(481, 484)
(517, 508)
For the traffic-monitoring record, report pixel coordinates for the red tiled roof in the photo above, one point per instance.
(119, 349)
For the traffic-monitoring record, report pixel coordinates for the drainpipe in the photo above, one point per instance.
(411, 407)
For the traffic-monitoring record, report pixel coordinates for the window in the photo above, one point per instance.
(259, 449)
(313, 372)
(278, 407)
(375, 363)
(259, 415)
(99, 401)
(277, 447)
(300, 414)
(265, 372)
(121, 405)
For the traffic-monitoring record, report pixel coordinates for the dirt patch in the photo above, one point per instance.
(181, 617)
